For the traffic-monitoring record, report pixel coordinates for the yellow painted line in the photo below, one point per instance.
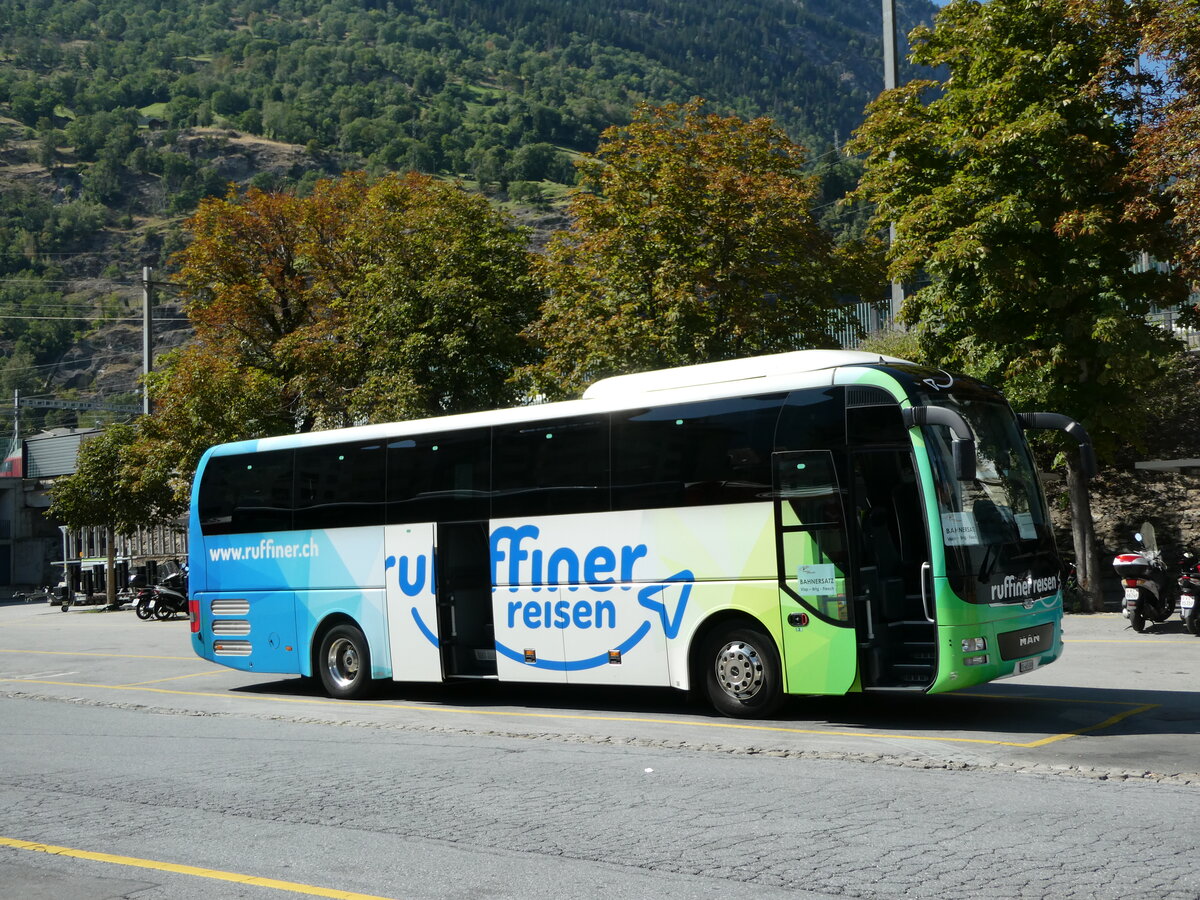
(1112, 720)
(195, 871)
(1034, 699)
(1148, 639)
(191, 658)
(172, 678)
(735, 726)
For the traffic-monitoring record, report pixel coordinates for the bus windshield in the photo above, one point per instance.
(996, 529)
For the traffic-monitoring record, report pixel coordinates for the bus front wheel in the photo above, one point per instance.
(344, 663)
(742, 672)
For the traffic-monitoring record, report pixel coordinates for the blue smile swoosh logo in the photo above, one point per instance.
(652, 598)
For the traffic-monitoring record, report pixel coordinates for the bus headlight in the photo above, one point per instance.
(975, 660)
(974, 645)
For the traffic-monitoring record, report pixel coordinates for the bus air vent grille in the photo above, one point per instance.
(857, 395)
(232, 648)
(230, 607)
(230, 627)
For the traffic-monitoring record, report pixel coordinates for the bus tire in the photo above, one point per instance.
(344, 663)
(742, 672)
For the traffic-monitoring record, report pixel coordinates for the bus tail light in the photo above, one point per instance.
(194, 615)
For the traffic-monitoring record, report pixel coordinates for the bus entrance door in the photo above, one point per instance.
(819, 645)
(464, 600)
(895, 629)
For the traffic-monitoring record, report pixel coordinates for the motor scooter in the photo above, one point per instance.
(143, 604)
(170, 595)
(1189, 593)
(1149, 589)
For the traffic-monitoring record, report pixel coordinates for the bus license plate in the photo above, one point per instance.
(1026, 665)
(1131, 593)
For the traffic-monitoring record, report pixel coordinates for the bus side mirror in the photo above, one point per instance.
(962, 444)
(1059, 422)
(964, 459)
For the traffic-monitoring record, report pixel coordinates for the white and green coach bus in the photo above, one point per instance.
(817, 522)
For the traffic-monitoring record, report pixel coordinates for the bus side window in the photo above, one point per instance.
(873, 417)
(439, 479)
(338, 485)
(694, 454)
(812, 419)
(247, 493)
(551, 468)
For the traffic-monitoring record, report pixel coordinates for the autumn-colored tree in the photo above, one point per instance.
(1163, 96)
(112, 489)
(692, 240)
(1008, 186)
(259, 277)
(364, 301)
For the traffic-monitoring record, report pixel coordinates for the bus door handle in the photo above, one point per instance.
(926, 570)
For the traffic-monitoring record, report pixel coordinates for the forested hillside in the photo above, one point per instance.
(117, 118)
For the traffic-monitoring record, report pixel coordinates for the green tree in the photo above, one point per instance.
(113, 490)
(446, 290)
(692, 240)
(363, 301)
(1009, 188)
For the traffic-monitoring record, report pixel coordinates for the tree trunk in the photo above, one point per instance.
(110, 579)
(1083, 536)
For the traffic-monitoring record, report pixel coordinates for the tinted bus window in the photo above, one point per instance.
(439, 479)
(694, 454)
(550, 468)
(812, 419)
(247, 493)
(339, 485)
(873, 417)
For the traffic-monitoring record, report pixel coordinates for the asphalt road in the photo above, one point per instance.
(132, 760)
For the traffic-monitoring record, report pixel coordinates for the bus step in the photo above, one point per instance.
(912, 673)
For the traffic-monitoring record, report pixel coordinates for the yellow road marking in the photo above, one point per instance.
(1145, 640)
(172, 678)
(191, 658)
(1112, 720)
(736, 726)
(196, 871)
(1040, 699)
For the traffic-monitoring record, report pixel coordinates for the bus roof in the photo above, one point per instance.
(679, 385)
(729, 371)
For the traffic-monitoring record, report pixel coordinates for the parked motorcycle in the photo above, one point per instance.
(144, 603)
(170, 596)
(1189, 593)
(1149, 589)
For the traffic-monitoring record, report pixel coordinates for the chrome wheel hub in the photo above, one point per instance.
(739, 669)
(342, 662)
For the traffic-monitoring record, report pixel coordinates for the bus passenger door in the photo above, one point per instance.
(819, 644)
(464, 600)
(410, 575)
(896, 632)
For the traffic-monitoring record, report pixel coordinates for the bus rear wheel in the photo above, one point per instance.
(742, 672)
(344, 663)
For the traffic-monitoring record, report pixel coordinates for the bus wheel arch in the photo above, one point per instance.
(341, 658)
(736, 664)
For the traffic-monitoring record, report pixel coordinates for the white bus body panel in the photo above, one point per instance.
(412, 603)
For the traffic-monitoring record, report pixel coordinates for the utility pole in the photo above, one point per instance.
(890, 81)
(147, 336)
